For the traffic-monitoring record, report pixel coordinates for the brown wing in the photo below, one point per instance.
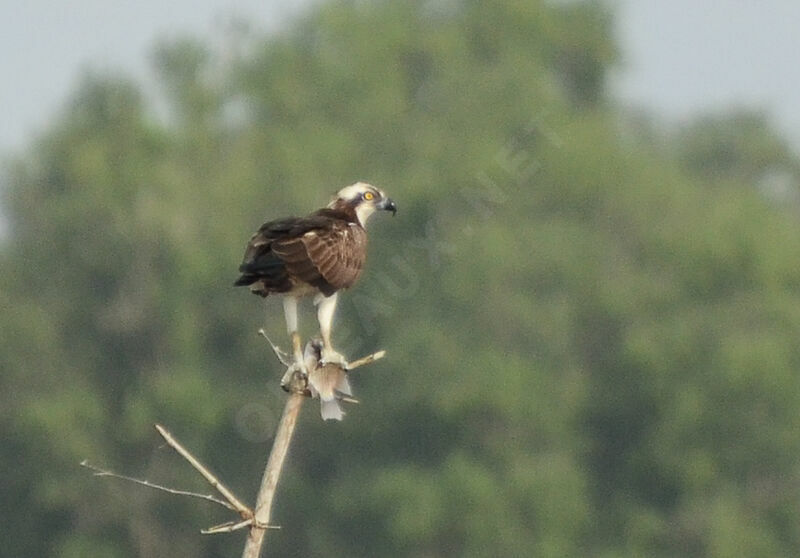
(327, 250)
(330, 258)
(260, 267)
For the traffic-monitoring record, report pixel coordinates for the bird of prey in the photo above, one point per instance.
(315, 256)
(326, 381)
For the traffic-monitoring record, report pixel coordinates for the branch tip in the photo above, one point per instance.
(366, 360)
(98, 472)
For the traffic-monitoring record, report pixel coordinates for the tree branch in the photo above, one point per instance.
(279, 353)
(269, 481)
(231, 502)
(230, 526)
(366, 360)
(98, 472)
(243, 510)
(280, 447)
(258, 520)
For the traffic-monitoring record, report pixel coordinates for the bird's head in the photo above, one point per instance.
(312, 352)
(364, 199)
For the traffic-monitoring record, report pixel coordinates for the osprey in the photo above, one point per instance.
(317, 256)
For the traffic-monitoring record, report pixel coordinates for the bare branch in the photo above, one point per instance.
(258, 520)
(269, 481)
(227, 527)
(231, 526)
(280, 353)
(366, 360)
(98, 472)
(243, 510)
(280, 447)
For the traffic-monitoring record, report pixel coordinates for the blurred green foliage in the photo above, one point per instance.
(592, 327)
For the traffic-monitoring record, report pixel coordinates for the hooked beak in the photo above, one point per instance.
(388, 204)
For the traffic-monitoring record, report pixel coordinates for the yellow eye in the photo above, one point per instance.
(368, 196)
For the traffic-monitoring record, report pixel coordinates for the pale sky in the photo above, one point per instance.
(681, 56)
(685, 56)
(47, 45)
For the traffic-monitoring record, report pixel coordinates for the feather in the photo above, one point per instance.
(328, 246)
(330, 409)
(325, 250)
(327, 382)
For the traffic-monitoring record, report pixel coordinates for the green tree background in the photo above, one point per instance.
(592, 323)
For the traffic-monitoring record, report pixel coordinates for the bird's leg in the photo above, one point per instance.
(326, 305)
(290, 312)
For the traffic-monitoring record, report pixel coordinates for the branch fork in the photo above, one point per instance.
(258, 519)
(298, 392)
(230, 501)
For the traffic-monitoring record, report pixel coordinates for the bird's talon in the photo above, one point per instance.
(295, 380)
(332, 357)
